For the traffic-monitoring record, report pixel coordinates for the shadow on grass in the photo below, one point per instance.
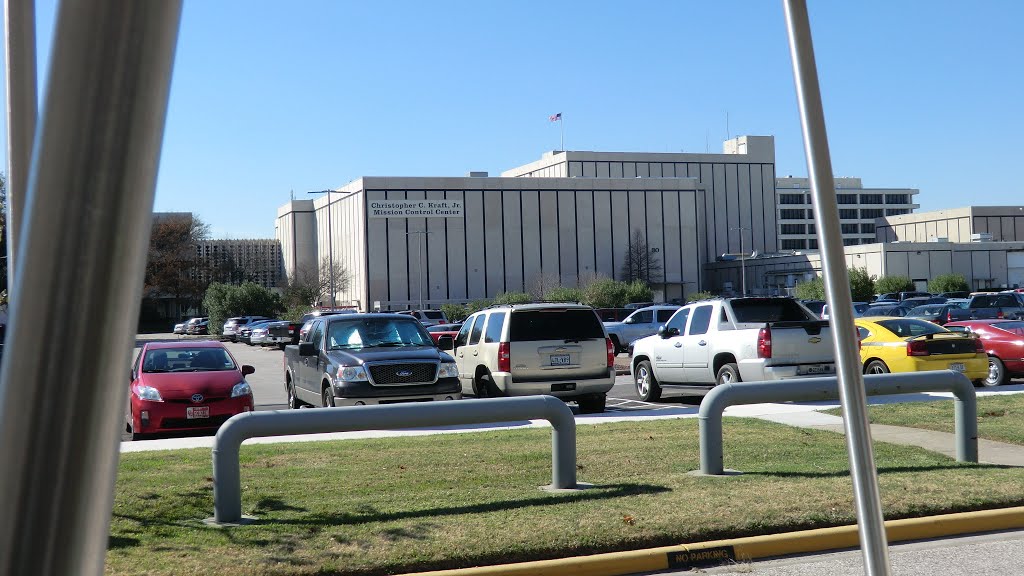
(369, 514)
(115, 542)
(881, 470)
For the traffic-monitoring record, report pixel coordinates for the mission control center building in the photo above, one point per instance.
(561, 220)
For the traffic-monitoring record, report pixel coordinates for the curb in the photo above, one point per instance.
(717, 552)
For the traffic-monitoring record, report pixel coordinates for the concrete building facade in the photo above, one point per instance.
(859, 208)
(968, 224)
(253, 260)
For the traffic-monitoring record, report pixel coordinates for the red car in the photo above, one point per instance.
(185, 385)
(438, 330)
(1004, 344)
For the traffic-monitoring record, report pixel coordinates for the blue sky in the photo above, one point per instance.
(270, 97)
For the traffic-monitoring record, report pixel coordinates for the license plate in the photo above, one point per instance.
(957, 367)
(820, 369)
(559, 359)
(194, 412)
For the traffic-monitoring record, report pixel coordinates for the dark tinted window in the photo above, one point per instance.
(554, 324)
(664, 315)
(907, 327)
(494, 325)
(478, 329)
(463, 336)
(1012, 327)
(316, 335)
(701, 320)
(768, 310)
(433, 315)
(679, 320)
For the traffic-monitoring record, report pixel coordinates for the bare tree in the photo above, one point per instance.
(311, 286)
(640, 263)
(174, 267)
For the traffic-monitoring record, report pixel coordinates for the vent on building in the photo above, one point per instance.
(477, 174)
(981, 237)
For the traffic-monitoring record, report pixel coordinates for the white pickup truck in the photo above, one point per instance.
(730, 340)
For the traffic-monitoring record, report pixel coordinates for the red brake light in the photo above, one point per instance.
(949, 316)
(611, 352)
(917, 348)
(999, 314)
(504, 357)
(764, 342)
(979, 346)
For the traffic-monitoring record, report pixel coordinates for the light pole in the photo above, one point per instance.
(330, 241)
(743, 261)
(421, 234)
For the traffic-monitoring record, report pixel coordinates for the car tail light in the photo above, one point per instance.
(504, 357)
(949, 316)
(999, 314)
(764, 342)
(979, 346)
(917, 348)
(611, 352)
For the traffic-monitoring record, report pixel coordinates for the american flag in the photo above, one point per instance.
(555, 117)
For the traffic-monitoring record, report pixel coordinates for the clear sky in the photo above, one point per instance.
(273, 97)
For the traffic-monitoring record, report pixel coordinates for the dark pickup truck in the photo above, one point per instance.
(1008, 305)
(361, 359)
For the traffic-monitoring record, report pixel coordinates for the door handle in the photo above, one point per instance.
(702, 343)
(678, 344)
(476, 352)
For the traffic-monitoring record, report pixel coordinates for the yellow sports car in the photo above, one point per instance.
(892, 344)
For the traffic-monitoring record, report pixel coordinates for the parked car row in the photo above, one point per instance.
(194, 326)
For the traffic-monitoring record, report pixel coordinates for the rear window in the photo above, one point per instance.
(433, 315)
(554, 324)
(664, 315)
(908, 327)
(1002, 300)
(1012, 327)
(930, 310)
(768, 310)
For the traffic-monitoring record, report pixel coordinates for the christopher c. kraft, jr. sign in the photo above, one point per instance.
(416, 209)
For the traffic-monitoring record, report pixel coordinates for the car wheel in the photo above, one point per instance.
(996, 372)
(484, 387)
(647, 388)
(876, 367)
(592, 404)
(327, 398)
(616, 347)
(728, 374)
(293, 402)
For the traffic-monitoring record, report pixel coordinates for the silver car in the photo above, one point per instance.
(640, 324)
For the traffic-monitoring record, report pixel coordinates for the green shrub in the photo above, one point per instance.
(513, 298)
(564, 294)
(948, 283)
(476, 306)
(638, 291)
(811, 289)
(605, 293)
(887, 284)
(699, 296)
(223, 301)
(862, 285)
(454, 312)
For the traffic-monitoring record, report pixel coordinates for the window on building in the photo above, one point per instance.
(846, 198)
(870, 198)
(811, 229)
(871, 212)
(897, 198)
(847, 213)
(791, 199)
(849, 228)
(812, 244)
(794, 244)
(809, 199)
(791, 214)
(793, 229)
(851, 241)
(867, 228)
(896, 211)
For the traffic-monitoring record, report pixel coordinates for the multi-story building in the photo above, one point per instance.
(235, 261)
(859, 207)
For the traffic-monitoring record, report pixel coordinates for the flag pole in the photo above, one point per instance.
(561, 129)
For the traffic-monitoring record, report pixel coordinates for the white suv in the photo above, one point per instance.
(524, 349)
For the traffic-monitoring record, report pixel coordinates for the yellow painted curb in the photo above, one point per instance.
(719, 551)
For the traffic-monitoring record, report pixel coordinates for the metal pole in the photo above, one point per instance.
(80, 266)
(419, 255)
(743, 261)
(20, 51)
(330, 247)
(837, 286)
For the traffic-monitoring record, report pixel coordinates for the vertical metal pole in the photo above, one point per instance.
(837, 286)
(20, 52)
(330, 246)
(419, 255)
(80, 266)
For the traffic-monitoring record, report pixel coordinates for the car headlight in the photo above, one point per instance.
(448, 370)
(352, 374)
(148, 393)
(241, 389)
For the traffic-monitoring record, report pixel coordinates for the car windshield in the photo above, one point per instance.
(192, 359)
(376, 333)
(909, 327)
(554, 324)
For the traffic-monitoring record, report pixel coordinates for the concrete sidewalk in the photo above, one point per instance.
(989, 451)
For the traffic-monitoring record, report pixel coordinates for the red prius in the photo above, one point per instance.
(178, 386)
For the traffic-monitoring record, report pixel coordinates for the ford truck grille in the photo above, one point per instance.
(399, 374)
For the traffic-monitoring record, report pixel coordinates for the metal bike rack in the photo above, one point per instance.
(814, 389)
(227, 484)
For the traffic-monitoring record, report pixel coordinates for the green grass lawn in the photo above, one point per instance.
(417, 503)
(1000, 418)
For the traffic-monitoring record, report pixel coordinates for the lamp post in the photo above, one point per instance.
(330, 241)
(743, 260)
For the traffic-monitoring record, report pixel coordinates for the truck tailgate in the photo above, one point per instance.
(801, 343)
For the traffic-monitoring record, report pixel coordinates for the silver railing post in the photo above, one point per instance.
(20, 53)
(227, 483)
(80, 265)
(871, 524)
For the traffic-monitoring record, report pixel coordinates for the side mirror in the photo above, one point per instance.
(446, 342)
(307, 349)
(247, 369)
(666, 332)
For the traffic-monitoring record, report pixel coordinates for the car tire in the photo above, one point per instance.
(327, 397)
(996, 373)
(592, 404)
(484, 387)
(293, 402)
(647, 388)
(876, 367)
(728, 374)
